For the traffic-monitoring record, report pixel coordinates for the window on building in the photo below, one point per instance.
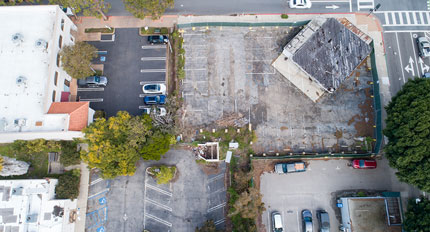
(62, 24)
(60, 41)
(53, 95)
(58, 60)
(66, 83)
(55, 78)
(72, 38)
(39, 123)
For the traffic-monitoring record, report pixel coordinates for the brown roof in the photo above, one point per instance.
(78, 112)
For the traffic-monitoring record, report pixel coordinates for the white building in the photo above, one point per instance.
(31, 78)
(29, 206)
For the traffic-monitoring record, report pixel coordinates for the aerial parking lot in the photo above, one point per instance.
(229, 73)
(130, 62)
(316, 189)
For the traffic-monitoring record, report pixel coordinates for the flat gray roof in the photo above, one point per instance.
(332, 52)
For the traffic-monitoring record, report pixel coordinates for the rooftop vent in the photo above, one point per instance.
(17, 38)
(20, 122)
(21, 80)
(40, 43)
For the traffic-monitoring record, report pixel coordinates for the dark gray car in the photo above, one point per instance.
(324, 221)
(93, 81)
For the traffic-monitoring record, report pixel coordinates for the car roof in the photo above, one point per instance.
(278, 220)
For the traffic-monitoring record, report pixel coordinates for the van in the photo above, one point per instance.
(324, 221)
(276, 222)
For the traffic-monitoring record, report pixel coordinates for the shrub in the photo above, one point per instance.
(68, 185)
(164, 174)
(284, 16)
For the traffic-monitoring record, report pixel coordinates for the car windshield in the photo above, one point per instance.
(152, 87)
(361, 163)
(308, 219)
(97, 79)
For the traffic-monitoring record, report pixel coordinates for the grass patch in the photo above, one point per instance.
(102, 30)
(163, 174)
(154, 31)
(284, 16)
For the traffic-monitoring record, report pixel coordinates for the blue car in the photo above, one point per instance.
(158, 39)
(152, 100)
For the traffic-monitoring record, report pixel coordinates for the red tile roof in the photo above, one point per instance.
(78, 112)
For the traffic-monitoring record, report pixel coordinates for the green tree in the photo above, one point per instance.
(68, 185)
(97, 8)
(417, 216)
(116, 144)
(16, 2)
(76, 59)
(164, 174)
(408, 132)
(249, 204)
(209, 226)
(142, 8)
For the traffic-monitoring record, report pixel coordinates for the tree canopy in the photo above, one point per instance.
(15, 2)
(142, 8)
(408, 132)
(116, 144)
(209, 226)
(97, 8)
(417, 216)
(76, 59)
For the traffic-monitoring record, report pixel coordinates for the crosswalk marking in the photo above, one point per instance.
(365, 4)
(406, 18)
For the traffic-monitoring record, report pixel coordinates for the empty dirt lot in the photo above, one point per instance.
(229, 72)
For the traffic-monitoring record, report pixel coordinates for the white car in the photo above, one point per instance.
(423, 47)
(154, 88)
(159, 111)
(300, 4)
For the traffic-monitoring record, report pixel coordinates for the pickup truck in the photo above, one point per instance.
(290, 167)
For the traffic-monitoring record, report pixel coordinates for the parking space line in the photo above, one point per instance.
(143, 107)
(219, 221)
(158, 219)
(90, 89)
(217, 191)
(159, 190)
(216, 177)
(159, 205)
(152, 70)
(151, 82)
(96, 194)
(152, 58)
(153, 46)
(92, 100)
(96, 181)
(216, 207)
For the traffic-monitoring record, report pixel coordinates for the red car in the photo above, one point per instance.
(363, 164)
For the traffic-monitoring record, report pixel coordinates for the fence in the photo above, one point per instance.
(243, 24)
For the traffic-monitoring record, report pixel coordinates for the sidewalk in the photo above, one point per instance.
(82, 198)
(118, 22)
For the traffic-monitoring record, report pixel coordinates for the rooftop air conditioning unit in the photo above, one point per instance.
(17, 38)
(20, 122)
(21, 80)
(41, 43)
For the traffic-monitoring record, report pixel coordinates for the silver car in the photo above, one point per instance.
(423, 47)
(93, 81)
(307, 221)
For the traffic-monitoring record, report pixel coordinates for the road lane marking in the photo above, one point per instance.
(158, 219)
(415, 54)
(414, 16)
(159, 205)
(401, 18)
(159, 190)
(400, 58)
(387, 20)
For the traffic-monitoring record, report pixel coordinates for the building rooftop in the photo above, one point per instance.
(328, 50)
(29, 205)
(78, 112)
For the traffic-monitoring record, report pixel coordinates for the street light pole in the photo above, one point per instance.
(374, 9)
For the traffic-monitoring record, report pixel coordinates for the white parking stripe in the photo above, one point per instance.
(216, 207)
(152, 58)
(158, 219)
(159, 205)
(151, 82)
(159, 190)
(153, 46)
(96, 181)
(216, 177)
(90, 89)
(152, 70)
(92, 100)
(219, 221)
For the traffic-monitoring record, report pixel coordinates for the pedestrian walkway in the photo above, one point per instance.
(405, 18)
(118, 22)
(82, 198)
(365, 4)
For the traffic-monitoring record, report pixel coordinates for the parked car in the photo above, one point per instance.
(154, 88)
(426, 75)
(300, 4)
(363, 164)
(423, 47)
(152, 100)
(290, 167)
(277, 222)
(93, 81)
(158, 39)
(323, 220)
(159, 111)
(307, 221)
